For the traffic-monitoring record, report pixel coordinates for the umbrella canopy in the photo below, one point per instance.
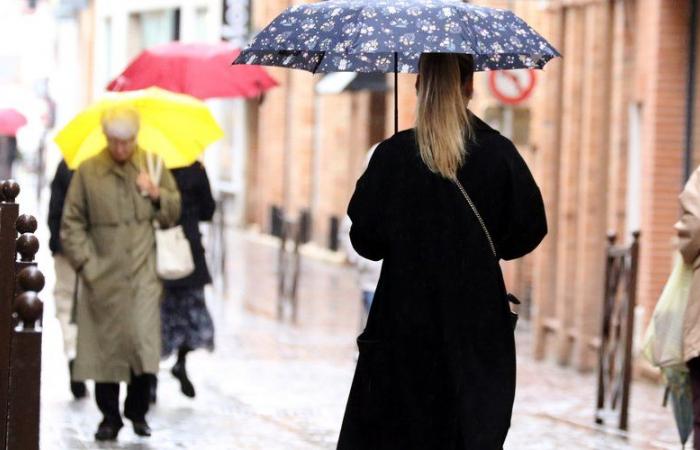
(200, 70)
(678, 383)
(390, 36)
(10, 121)
(175, 127)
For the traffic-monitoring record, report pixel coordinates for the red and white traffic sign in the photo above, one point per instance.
(512, 86)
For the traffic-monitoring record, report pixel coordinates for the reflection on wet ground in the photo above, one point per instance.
(278, 386)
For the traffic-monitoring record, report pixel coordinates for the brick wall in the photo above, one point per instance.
(663, 126)
(607, 67)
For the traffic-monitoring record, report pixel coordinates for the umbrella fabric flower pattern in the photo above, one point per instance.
(390, 36)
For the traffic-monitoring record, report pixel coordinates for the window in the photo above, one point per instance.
(108, 54)
(147, 29)
(200, 24)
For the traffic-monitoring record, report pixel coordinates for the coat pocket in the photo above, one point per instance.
(370, 371)
(91, 271)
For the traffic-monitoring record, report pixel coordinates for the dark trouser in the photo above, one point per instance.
(135, 406)
(694, 366)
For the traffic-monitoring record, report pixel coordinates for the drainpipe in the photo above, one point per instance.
(690, 105)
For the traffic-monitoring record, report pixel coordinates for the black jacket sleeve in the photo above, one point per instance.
(367, 209)
(525, 221)
(59, 188)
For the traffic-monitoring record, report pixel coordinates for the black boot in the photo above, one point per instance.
(152, 389)
(108, 430)
(76, 387)
(141, 428)
(180, 372)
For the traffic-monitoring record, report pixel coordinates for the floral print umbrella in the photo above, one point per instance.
(390, 35)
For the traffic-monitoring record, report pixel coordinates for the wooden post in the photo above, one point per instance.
(25, 352)
(600, 398)
(25, 375)
(9, 190)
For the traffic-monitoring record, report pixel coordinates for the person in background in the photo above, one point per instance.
(368, 271)
(108, 236)
(64, 288)
(186, 322)
(688, 229)
(8, 154)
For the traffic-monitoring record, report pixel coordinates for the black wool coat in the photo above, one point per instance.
(197, 205)
(436, 369)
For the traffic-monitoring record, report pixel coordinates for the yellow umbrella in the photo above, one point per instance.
(175, 127)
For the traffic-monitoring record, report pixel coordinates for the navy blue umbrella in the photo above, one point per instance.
(390, 35)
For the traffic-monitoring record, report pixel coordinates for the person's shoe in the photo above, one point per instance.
(186, 386)
(77, 388)
(142, 429)
(107, 431)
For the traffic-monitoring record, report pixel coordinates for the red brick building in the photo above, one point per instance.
(605, 134)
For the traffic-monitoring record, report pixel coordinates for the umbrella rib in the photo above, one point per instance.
(320, 60)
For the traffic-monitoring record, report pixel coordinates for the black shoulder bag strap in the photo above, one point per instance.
(511, 298)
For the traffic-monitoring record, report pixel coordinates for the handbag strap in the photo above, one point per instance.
(478, 216)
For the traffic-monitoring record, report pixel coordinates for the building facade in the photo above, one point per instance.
(610, 125)
(605, 131)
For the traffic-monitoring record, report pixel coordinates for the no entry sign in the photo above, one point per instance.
(512, 86)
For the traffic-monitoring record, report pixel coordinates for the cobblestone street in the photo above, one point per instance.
(277, 386)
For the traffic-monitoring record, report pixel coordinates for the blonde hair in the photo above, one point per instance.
(443, 126)
(120, 121)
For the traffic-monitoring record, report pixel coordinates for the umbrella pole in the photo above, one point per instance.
(396, 92)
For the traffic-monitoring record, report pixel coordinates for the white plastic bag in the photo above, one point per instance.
(663, 340)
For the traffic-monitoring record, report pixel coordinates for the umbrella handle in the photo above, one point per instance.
(667, 392)
(396, 92)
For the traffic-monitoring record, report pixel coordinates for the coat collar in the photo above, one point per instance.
(480, 126)
(107, 164)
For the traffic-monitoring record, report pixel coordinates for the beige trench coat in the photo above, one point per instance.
(688, 228)
(108, 236)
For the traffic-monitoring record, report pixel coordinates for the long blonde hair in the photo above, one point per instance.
(443, 126)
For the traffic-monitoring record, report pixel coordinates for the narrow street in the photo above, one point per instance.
(277, 386)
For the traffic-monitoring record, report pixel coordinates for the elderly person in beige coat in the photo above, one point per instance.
(108, 236)
(688, 228)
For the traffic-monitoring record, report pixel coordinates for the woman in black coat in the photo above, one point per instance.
(437, 358)
(186, 322)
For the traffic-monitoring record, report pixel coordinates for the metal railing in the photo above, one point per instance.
(617, 331)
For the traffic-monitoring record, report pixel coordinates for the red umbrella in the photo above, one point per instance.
(201, 70)
(11, 121)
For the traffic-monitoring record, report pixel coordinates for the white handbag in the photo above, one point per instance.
(173, 252)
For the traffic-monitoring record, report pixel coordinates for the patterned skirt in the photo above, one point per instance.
(185, 320)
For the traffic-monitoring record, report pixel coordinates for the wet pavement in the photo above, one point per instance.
(278, 386)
